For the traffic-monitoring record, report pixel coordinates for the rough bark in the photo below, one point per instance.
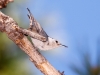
(16, 34)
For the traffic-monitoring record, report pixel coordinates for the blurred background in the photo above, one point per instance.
(75, 23)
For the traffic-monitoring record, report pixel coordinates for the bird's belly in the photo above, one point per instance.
(41, 45)
(37, 43)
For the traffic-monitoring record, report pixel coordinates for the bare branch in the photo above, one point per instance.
(3, 3)
(14, 32)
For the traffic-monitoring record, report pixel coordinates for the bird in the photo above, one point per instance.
(49, 44)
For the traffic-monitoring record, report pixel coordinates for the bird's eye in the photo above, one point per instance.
(56, 41)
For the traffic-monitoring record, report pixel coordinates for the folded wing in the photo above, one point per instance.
(35, 26)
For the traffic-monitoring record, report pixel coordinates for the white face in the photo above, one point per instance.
(55, 43)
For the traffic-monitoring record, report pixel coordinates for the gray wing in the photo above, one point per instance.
(35, 26)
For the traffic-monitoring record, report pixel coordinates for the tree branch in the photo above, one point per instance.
(16, 34)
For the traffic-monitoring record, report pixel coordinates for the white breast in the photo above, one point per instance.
(37, 43)
(43, 45)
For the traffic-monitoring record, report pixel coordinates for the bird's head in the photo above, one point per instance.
(59, 44)
(56, 43)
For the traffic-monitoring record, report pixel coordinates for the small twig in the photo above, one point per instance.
(31, 34)
(21, 30)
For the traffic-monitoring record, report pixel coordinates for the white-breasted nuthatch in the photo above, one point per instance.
(50, 43)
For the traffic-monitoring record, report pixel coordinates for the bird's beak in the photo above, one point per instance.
(64, 45)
